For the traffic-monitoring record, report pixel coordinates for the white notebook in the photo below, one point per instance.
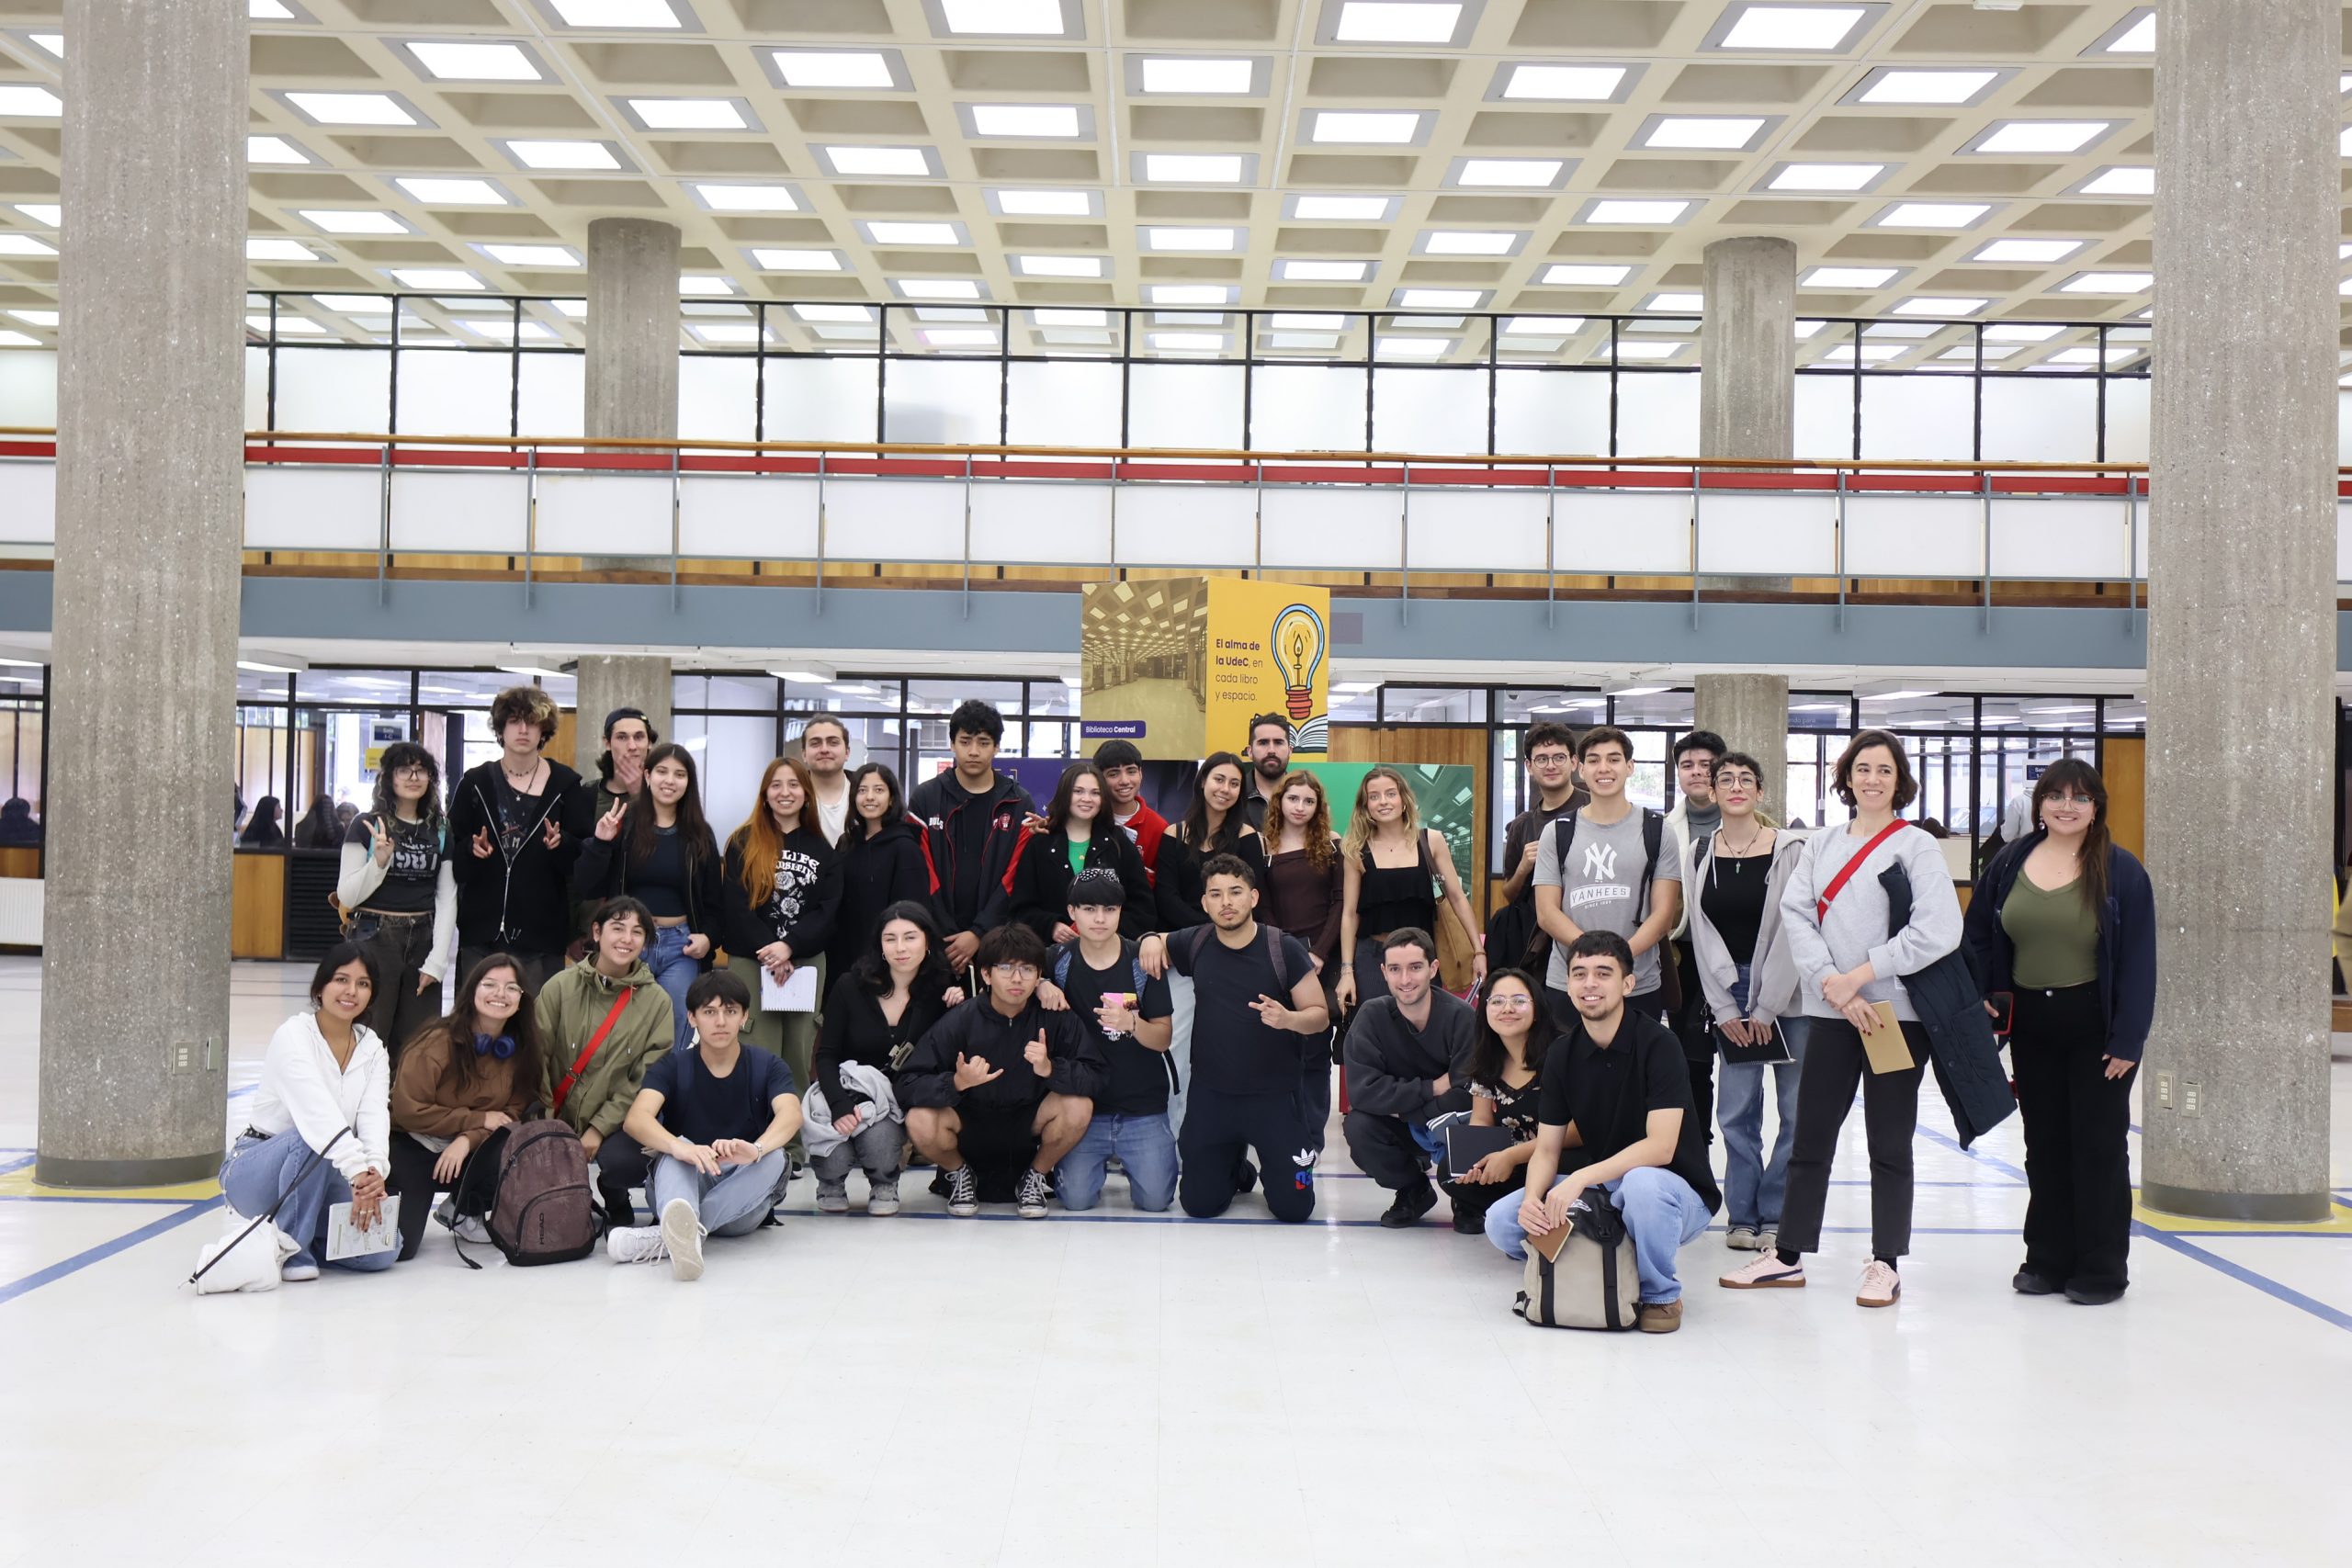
(347, 1240)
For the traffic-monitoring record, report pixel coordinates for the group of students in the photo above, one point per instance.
(1837, 960)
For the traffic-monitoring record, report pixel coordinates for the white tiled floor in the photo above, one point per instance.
(1133, 1390)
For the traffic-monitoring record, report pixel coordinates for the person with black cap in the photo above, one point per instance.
(1098, 976)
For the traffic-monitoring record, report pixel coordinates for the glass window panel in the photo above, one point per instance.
(2126, 715)
(822, 399)
(456, 392)
(1432, 705)
(1354, 703)
(1924, 416)
(554, 397)
(755, 694)
(1063, 403)
(1541, 412)
(1824, 415)
(1819, 710)
(941, 696)
(334, 388)
(730, 751)
(719, 396)
(948, 400)
(1667, 710)
(381, 687)
(457, 688)
(1049, 738)
(334, 750)
(1428, 410)
(1646, 787)
(29, 388)
(2045, 419)
(1657, 413)
(870, 740)
(2127, 419)
(849, 693)
(2040, 711)
(256, 389)
(1306, 408)
(21, 735)
(252, 687)
(262, 749)
(1184, 405)
(1053, 696)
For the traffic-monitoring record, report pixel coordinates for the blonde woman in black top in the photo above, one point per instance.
(1394, 870)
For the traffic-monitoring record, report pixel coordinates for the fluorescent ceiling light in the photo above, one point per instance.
(1050, 316)
(2140, 37)
(273, 150)
(886, 232)
(1927, 86)
(1031, 17)
(1061, 266)
(794, 259)
(267, 11)
(939, 288)
(1570, 84)
(688, 113)
(1509, 173)
(1685, 303)
(1323, 271)
(1025, 119)
(1587, 274)
(948, 313)
(1467, 242)
(436, 280)
(1721, 133)
(500, 329)
(1382, 127)
(1969, 353)
(1939, 305)
(563, 154)
(1178, 239)
(49, 214)
(1806, 328)
(2044, 136)
(2122, 179)
(898, 161)
(1200, 76)
(1648, 351)
(355, 304)
(1793, 27)
(1187, 341)
(821, 68)
(615, 13)
(448, 61)
(533, 255)
(1930, 215)
(1193, 168)
(52, 42)
(2002, 332)
(1383, 21)
(959, 337)
(1438, 299)
(1312, 343)
(36, 318)
(1827, 177)
(2344, 141)
(1412, 347)
(18, 340)
(25, 100)
(575, 310)
(1188, 293)
(1044, 203)
(2028, 250)
(832, 312)
(747, 199)
(1309, 321)
(1360, 209)
(1872, 353)
(340, 109)
(257, 249)
(727, 331)
(1543, 326)
(340, 221)
(25, 245)
(2085, 356)
(452, 192)
(1637, 211)
(2108, 283)
(1850, 278)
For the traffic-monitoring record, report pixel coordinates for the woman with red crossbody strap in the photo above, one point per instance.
(604, 1021)
(1836, 914)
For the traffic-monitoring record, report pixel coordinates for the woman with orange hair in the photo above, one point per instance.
(781, 887)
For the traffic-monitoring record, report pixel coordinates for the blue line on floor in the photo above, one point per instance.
(18, 1164)
(100, 1253)
(78, 1198)
(1991, 1161)
(2245, 1275)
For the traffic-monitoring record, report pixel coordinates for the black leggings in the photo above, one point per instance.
(2078, 1218)
(412, 1177)
(1219, 1127)
(1834, 1064)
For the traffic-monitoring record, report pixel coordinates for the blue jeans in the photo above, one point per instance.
(1754, 1186)
(1145, 1144)
(673, 972)
(735, 1203)
(1661, 1213)
(258, 1171)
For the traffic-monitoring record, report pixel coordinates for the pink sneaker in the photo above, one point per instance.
(1879, 1286)
(1765, 1272)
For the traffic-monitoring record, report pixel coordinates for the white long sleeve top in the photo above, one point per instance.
(302, 1088)
(360, 878)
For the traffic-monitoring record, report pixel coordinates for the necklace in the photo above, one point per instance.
(528, 776)
(1738, 852)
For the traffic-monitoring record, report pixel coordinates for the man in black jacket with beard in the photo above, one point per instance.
(972, 814)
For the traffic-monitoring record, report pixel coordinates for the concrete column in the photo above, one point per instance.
(609, 681)
(1747, 350)
(2242, 621)
(150, 418)
(632, 388)
(1751, 713)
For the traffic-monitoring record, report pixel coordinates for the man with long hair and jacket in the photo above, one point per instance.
(515, 827)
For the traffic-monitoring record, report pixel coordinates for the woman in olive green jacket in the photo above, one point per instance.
(593, 1095)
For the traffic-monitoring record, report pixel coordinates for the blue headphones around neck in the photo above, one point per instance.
(501, 1046)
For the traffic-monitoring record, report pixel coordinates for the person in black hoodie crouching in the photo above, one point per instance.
(1002, 1080)
(1078, 836)
(972, 817)
(515, 827)
(1409, 1064)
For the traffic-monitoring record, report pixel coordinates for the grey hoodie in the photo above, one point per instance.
(1855, 928)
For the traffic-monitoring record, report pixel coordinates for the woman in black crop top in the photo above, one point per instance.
(1395, 872)
(656, 847)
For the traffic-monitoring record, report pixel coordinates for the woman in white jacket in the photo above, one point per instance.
(326, 1074)
(1731, 889)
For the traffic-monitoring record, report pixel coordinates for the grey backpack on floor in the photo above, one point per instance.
(1592, 1283)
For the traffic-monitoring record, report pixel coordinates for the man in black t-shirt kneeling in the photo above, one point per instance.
(1258, 1006)
(1100, 979)
(1615, 1114)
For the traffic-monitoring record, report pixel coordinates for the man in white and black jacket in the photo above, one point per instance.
(1408, 1062)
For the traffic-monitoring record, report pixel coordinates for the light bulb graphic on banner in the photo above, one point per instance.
(1298, 651)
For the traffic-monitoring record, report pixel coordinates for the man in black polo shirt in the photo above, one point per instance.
(1616, 1113)
(1002, 1080)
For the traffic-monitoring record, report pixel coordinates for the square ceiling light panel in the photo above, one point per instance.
(689, 114)
(2020, 332)
(779, 258)
(1050, 202)
(1412, 347)
(349, 108)
(1675, 302)
(262, 248)
(833, 312)
(1939, 305)
(2135, 34)
(2108, 283)
(906, 231)
(532, 255)
(1026, 123)
(585, 156)
(1188, 237)
(1443, 23)
(1062, 267)
(464, 59)
(2045, 137)
(1510, 174)
(1438, 299)
(1468, 242)
(1850, 277)
(937, 287)
(347, 221)
(1628, 351)
(1931, 215)
(1005, 18)
(1792, 28)
(1308, 206)
(273, 150)
(650, 16)
(21, 100)
(1193, 168)
(1532, 81)
(434, 279)
(2042, 251)
(838, 70)
(882, 162)
(1836, 179)
(704, 283)
(48, 214)
(1365, 128)
(750, 197)
(1058, 316)
(1713, 133)
(1662, 214)
(1586, 275)
(1953, 88)
(1190, 294)
(433, 191)
(1198, 76)
(1296, 270)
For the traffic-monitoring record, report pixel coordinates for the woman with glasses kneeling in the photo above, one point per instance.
(1514, 1036)
(324, 1091)
(463, 1082)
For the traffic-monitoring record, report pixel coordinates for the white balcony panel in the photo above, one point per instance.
(2343, 541)
(1914, 535)
(459, 512)
(1758, 533)
(1476, 530)
(1314, 528)
(2086, 540)
(1186, 526)
(908, 519)
(27, 502)
(313, 509)
(603, 514)
(1634, 531)
(747, 517)
(2139, 550)
(1041, 524)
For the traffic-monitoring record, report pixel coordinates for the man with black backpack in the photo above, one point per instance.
(1614, 1114)
(1548, 752)
(1257, 1008)
(1607, 868)
(1099, 977)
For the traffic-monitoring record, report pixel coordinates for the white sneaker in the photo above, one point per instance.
(636, 1244)
(1765, 1272)
(295, 1271)
(882, 1198)
(681, 1235)
(1879, 1286)
(1742, 1238)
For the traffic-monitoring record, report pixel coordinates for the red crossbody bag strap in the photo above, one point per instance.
(588, 1051)
(1837, 883)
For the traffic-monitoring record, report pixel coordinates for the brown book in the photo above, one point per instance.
(1888, 1050)
(1550, 1242)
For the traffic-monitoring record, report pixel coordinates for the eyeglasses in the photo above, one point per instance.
(1015, 971)
(1549, 759)
(1511, 1002)
(413, 771)
(1739, 780)
(501, 989)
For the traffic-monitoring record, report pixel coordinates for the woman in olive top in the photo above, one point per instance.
(1216, 825)
(885, 861)
(781, 887)
(1507, 1056)
(464, 1081)
(401, 892)
(2062, 928)
(656, 848)
(1394, 870)
(1078, 835)
(885, 1000)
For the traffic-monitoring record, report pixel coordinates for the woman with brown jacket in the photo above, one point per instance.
(462, 1083)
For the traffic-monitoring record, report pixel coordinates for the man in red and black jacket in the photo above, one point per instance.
(971, 817)
(1121, 767)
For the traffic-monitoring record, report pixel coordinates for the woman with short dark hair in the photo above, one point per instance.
(400, 892)
(459, 1087)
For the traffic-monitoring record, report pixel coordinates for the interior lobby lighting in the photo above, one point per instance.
(1189, 294)
(894, 161)
(615, 13)
(1804, 27)
(832, 312)
(341, 220)
(1357, 209)
(1412, 347)
(1386, 21)
(1029, 18)
(833, 68)
(2047, 136)
(1186, 239)
(883, 231)
(1586, 275)
(1944, 87)
(1939, 305)
(1323, 271)
(2028, 250)
(688, 113)
(1193, 168)
(270, 249)
(1050, 316)
(2108, 283)
(1510, 174)
(1372, 128)
(1438, 299)
(1543, 326)
(436, 280)
(26, 100)
(445, 60)
(747, 199)
(1719, 133)
(273, 150)
(344, 109)
(1930, 215)
(1827, 177)
(780, 259)
(2122, 179)
(1637, 211)
(1849, 277)
(1564, 83)
(452, 192)
(1468, 242)
(1309, 321)
(1200, 77)
(1033, 121)
(533, 255)
(563, 154)
(1044, 203)
(2140, 37)
(1061, 266)
(938, 288)
(25, 245)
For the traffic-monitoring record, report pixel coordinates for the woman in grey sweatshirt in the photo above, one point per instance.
(1834, 914)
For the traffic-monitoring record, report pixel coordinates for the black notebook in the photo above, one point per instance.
(1776, 1049)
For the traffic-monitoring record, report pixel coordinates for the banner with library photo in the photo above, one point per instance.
(1178, 665)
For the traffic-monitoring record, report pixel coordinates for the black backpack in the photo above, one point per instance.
(1537, 954)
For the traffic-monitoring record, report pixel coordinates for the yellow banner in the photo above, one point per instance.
(1266, 647)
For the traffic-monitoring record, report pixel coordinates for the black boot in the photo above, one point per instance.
(1412, 1202)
